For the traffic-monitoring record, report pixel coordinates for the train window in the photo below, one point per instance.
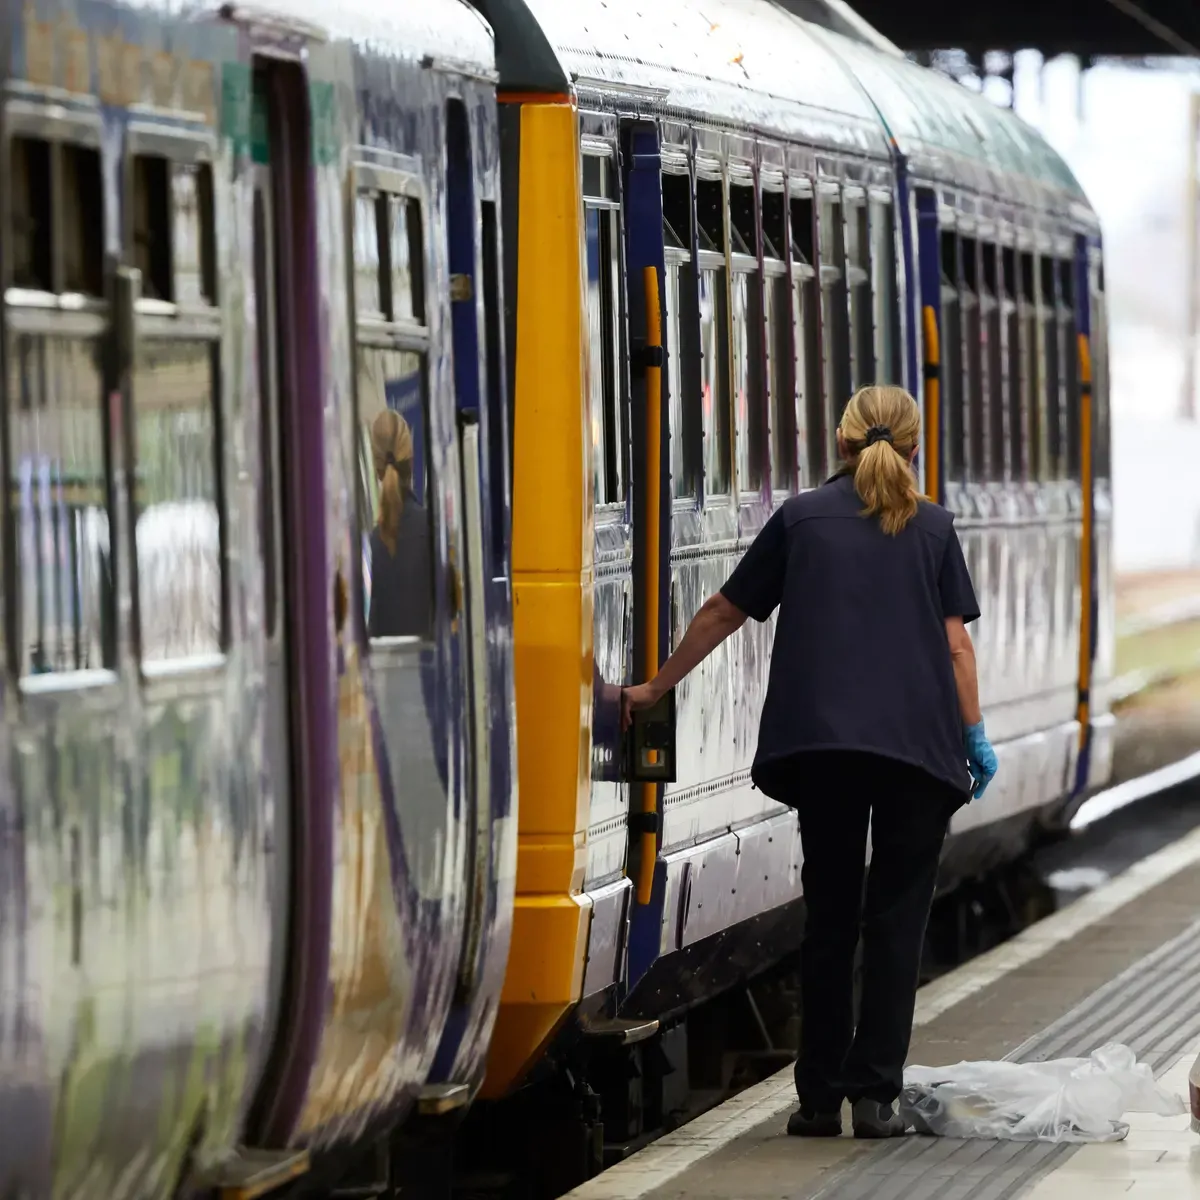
(1015, 387)
(1050, 348)
(32, 214)
(773, 224)
(173, 230)
(835, 315)
(858, 278)
(810, 407)
(175, 499)
(714, 382)
(996, 415)
(63, 613)
(710, 214)
(58, 489)
(406, 294)
(973, 355)
(1032, 370)
(746, 330)
(777, 326)
(1070, 353)
(681, 323)
(952, 391)
(886, 290)
(742, 223)
(392, 397)
(598, 175)
(603, 265)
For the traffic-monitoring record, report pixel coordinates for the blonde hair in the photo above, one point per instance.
(880, 429)
(392, 452)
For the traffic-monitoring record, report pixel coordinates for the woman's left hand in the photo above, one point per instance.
(640, 696)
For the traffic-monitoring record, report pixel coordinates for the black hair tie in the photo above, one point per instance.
(879, 433)
(390, 461)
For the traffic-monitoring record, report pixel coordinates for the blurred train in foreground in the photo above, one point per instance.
(271, 915)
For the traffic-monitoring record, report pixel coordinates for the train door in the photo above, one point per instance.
(290, 439)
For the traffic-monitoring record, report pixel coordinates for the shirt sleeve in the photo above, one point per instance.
(756, 585)
(954, 583)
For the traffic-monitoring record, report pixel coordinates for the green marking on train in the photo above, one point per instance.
(324, 129)
(235, 105)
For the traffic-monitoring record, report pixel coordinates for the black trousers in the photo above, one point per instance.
(908, 811)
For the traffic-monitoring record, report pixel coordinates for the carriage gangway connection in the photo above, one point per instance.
(1121, 964)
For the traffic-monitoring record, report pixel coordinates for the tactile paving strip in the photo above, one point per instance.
(1153, 1007)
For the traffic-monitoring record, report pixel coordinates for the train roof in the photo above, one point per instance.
(452, 33)
(950, 134)
(739, 62)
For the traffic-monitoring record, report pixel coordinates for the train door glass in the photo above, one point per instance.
(1014, 364)
(713, 304)
(746, 331)
(176, 407)
(810, 404)
(995, 402)
(681, 325)
(392, 342)
(953, 422)
(858, 281)
(885, 276)
(1033, 376)
(1050, 348)
(61, 617)
(835, 316)
(777, 331)
(972, 356)
(603, 243)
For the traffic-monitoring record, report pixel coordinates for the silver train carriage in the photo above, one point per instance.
(256, 864)
(820, 214)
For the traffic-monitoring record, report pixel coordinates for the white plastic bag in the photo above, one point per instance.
(1066, 1100)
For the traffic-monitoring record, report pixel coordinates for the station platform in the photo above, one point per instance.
(1121, 964)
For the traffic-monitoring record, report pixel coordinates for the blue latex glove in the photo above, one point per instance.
(981, 758)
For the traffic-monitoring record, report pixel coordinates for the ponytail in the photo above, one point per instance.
(392, 452)
(391, 507)
(880, 428)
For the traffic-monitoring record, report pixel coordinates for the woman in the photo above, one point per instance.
(871, 716)
(401, 586)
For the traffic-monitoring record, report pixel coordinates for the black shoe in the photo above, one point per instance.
(806, 1122)
(875, 1120)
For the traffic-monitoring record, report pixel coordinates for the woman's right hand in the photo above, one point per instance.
(640, 696)
(981, 758)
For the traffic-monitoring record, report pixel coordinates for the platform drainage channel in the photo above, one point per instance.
(1153, 1007)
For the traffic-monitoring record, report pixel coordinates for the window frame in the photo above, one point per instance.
(172, 322)
(779, 345)
(836, 336)
(885, 286)
(718, 425)
(812, 453)
(856, 218)
(749, 427)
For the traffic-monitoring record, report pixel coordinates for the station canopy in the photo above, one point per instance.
(1088, 28)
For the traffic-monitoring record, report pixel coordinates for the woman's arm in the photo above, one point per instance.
(966, 677)
(715, 621)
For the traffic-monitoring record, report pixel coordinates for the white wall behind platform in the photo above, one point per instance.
(1156, 493)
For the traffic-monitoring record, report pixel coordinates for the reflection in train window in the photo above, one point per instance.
(399, 564)
(1014, 395)
(1032, 370)
(994, 364)
(407, 294)
(608, 433)
(176, 487)
(747, 324)
(59, 495)
(1051, 354)
(32, 214)
(1069, 340)
(810, 407)
(369, 207)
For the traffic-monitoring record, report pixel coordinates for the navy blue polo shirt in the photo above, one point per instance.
(860, 659)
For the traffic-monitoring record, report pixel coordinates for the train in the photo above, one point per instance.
(291, 907)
